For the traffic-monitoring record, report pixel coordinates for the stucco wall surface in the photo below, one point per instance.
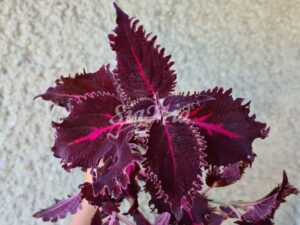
(252, 46)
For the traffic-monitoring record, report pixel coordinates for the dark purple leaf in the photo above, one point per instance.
(265, 222)
(114, 176)
(133, 187)
(284, 190)
(227, 127)
(110, 207)
(139, 218)
(81, 139)
(60, 209)
(214, 219)
(97, 218)
(108, 204)
(73, 88)
(156, 202)
(228, 211)
(115, 118)
(114, 220)
(143, 109)
(142, 70)
(185, 101)
(218, 177)
(171, 145)
(87, 192)
(163, 219)
(262, 211)
(200, 213)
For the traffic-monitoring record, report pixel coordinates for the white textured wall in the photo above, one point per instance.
(250, 45)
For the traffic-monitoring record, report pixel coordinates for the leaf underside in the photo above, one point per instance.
(60, 209)
(262, 211)
(200, 213)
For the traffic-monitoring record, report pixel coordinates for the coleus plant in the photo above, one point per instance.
(128, 129)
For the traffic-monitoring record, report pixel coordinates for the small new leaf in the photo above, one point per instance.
(220, 177)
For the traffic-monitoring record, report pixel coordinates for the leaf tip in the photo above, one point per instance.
(120, 13)
(35, 215)
(37, 96)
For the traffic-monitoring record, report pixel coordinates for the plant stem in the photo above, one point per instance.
(106, 219)
(206, 190)
(235, 211)
(233, 204)
(125, 220)
(218, 202)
